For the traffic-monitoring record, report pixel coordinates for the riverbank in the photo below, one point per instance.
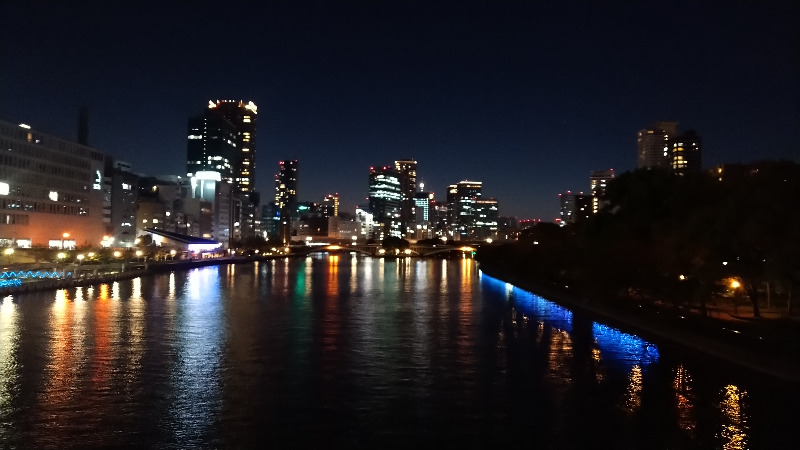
(93, 275)
(763, 346)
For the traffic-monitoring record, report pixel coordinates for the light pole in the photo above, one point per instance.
(63, 237)
(8, 252)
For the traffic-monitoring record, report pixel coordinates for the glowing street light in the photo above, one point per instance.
(735, 284)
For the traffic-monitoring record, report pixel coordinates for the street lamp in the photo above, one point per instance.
(8, 252)
(64, 237)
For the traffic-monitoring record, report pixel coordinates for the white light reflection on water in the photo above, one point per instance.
(9, 345)
(353, 274)
(172, 289)
(199, 340)
(734, 419)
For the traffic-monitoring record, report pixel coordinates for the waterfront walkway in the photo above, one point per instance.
(766, 345)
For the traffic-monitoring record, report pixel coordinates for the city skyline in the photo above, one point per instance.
(528, 98)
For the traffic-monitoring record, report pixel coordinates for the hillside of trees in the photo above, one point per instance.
(680, 240)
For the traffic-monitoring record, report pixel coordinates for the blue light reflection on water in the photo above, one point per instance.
(623, 349)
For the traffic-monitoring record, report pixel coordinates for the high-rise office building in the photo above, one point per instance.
(653, 145)
(486, 217)
(385, 200)
(243, 117)
(685, 153)
(407, 170)
(286, 197)
(211, 145)
(598, 183)
(223, 139)
(462, 198)
(330, 205)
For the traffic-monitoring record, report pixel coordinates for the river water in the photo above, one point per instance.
(356, 352)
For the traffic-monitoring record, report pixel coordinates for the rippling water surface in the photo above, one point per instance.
(344, 351)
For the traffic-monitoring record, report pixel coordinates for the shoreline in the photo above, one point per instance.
(132, 272)
(699, 336)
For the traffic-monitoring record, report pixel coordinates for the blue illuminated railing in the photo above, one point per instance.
(624, 348)
(21, 274)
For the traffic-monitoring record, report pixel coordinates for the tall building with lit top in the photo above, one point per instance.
(222, 139)
(653, 145)
(598, 183)
(243, 118)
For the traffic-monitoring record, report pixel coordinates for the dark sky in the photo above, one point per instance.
(527, 97)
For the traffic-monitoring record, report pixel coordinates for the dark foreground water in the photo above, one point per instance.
(346, 352)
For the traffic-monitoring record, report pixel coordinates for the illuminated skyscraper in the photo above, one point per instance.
(211, 145)
(653, 145)
(286, 196)
(407, 171)
(462, 199)
(223, 139)
(385, 199)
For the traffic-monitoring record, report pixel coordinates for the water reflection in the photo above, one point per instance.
(633, 391)
(349, 352)
(734, 418)
(9, 370)
(196, 382)
(682, 385)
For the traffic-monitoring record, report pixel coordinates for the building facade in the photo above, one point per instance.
(686, 153)
(653, 145)
(598, 183)
(385, 201)
(286, 197)
(223, 139)
(407, 172)
(51, 190)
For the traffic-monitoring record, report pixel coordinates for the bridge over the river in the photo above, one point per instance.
(377, 250)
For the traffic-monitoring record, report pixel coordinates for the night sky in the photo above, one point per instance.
(527, 97)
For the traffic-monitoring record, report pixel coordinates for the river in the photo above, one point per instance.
(356, 352)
